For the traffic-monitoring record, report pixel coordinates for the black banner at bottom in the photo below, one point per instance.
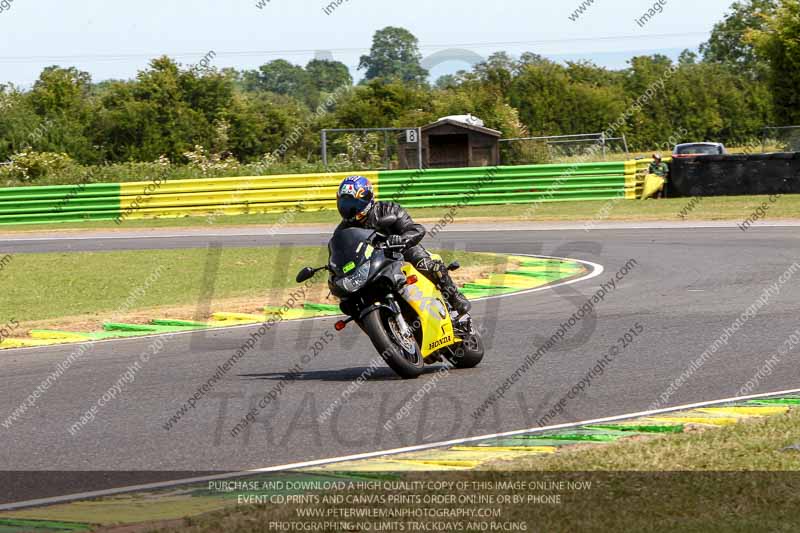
(479, 501)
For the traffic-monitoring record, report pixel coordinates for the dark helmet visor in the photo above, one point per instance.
(350, 206)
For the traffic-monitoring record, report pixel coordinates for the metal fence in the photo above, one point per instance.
(559, 148)
(780, 139)
(368, 148)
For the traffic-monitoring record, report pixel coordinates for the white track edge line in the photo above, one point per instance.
(371, 455)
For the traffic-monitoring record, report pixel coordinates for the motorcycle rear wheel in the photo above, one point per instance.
(406, 362)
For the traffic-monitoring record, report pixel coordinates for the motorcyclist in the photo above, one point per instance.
(356, 202)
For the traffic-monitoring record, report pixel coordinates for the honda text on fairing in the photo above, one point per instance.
(402, 312)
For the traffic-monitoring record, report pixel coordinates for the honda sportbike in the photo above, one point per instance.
(402, 312)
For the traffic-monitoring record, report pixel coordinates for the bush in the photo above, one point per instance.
(31, 166)
(202, 165)
(209, 164)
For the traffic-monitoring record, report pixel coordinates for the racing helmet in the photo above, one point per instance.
(355, 198)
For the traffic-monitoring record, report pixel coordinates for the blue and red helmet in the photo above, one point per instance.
(355, 198)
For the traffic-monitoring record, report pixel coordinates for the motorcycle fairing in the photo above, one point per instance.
(426, 300)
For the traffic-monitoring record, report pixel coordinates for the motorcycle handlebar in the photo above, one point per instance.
(385, 245)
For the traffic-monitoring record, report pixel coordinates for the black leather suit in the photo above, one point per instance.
(412, 233)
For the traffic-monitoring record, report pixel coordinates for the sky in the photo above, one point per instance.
(113, 39)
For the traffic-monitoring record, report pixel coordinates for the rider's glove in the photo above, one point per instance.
(396, 240)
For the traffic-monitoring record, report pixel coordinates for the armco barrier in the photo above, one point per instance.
(310, 192)
(60, 203)
(506, 185)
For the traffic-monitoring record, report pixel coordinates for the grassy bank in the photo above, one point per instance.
(81, 290)
(751, 445)
(733, 208)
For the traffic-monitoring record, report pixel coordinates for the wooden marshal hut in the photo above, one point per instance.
(453, 142)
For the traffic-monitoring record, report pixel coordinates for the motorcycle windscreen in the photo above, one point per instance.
(426, 300)
(347, 248)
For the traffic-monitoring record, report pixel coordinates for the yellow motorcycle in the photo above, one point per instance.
(401, 311)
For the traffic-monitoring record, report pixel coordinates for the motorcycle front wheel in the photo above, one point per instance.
(402, 354)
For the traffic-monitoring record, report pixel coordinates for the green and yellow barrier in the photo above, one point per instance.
(312, 192)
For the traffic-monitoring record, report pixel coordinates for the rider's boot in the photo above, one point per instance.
(454, 297)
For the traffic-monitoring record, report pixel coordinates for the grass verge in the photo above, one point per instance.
(734, 208)
(81, 290)
(750, 445)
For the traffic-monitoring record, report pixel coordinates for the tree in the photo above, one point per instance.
(554, 100)
(589, 73)
(261, 122)
(61, 99)
(383, 103)
(711, 103)
(327, 76)
(281, 77)
(530, 58)
(448, 81)
(165, 111)
(207, 92)
(482, 102)
(59, 90)
(728, 44)
(778, 43)
(17, 118)
(687, 57)
(394, 55)
(497, 72)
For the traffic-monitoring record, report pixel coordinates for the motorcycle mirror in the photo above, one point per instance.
(306, 274)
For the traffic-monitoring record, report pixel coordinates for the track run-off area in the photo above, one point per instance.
(693, 312)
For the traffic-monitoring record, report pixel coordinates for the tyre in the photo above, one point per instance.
(468, 353)
(401, 354)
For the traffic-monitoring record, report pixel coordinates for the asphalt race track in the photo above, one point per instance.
(688, 285)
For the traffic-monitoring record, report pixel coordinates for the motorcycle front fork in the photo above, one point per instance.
(405, 330)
